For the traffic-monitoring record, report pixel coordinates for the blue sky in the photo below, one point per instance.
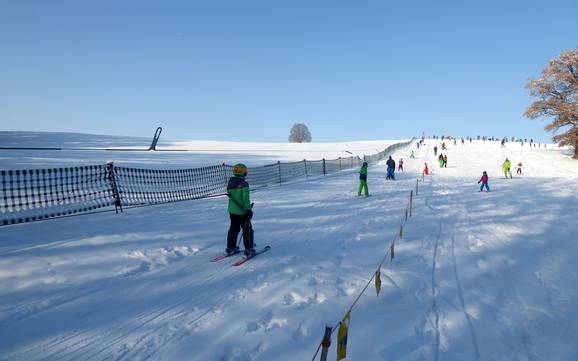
(248, 70)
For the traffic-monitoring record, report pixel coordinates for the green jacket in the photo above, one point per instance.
(238, 191)
(507, 165)
(363, 173)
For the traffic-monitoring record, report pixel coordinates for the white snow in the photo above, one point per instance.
(174, 154)
(478, 276)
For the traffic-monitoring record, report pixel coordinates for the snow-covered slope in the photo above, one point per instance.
(479, 276)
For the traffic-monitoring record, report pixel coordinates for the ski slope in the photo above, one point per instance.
(478, 276)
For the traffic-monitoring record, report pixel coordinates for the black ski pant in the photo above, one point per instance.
(239, 222)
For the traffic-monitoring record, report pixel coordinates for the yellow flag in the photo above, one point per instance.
(342, 337)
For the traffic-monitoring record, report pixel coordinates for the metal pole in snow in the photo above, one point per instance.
(325, 343)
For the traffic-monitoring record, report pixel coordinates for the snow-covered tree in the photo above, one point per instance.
(299, 134)
(557, 93)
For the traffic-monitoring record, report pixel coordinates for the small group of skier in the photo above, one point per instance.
(507, 165)
(390, 175)
(506, 168)
(443, 160)
(240, 207)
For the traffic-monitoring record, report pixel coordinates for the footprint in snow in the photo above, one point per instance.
(156, 258)
(231, 353)
(313, 281)
(301, 333)
(343, 288)
(300, 302)
(267, 323)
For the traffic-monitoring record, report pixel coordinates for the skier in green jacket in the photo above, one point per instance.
(363, 180)
(239, 211)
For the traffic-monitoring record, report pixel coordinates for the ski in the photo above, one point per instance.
(246, 258)
(223, 256)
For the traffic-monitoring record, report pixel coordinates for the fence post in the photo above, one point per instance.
(113, 186)
(410, 202)
(324, 172)
(225, 176)
(416, 186)
(279, 168)
(325, 343)
(305, 164)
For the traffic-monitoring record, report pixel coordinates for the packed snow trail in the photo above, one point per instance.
(478, 276)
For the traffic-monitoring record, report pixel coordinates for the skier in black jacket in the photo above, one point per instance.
(390, 168)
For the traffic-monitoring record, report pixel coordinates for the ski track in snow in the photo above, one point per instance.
(472, 278)
(463, 304)
(434, 292)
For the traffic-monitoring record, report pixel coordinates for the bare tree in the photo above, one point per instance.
(299, 134)
(557, 93)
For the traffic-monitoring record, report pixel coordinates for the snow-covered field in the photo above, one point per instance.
(478, 276)
(174, 154)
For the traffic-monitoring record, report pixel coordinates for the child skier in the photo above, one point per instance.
(484, 181)
(519, 170)
(412, 156)
(425, 170)
(390, 169)
(400, 166)
(441, 160)
(506, 168)
(435, 150)
(240, 211)
(445, 160)
(363, 180)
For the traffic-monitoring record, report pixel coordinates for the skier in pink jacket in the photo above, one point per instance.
(484, 181)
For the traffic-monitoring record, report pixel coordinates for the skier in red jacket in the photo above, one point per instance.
(484, 181)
